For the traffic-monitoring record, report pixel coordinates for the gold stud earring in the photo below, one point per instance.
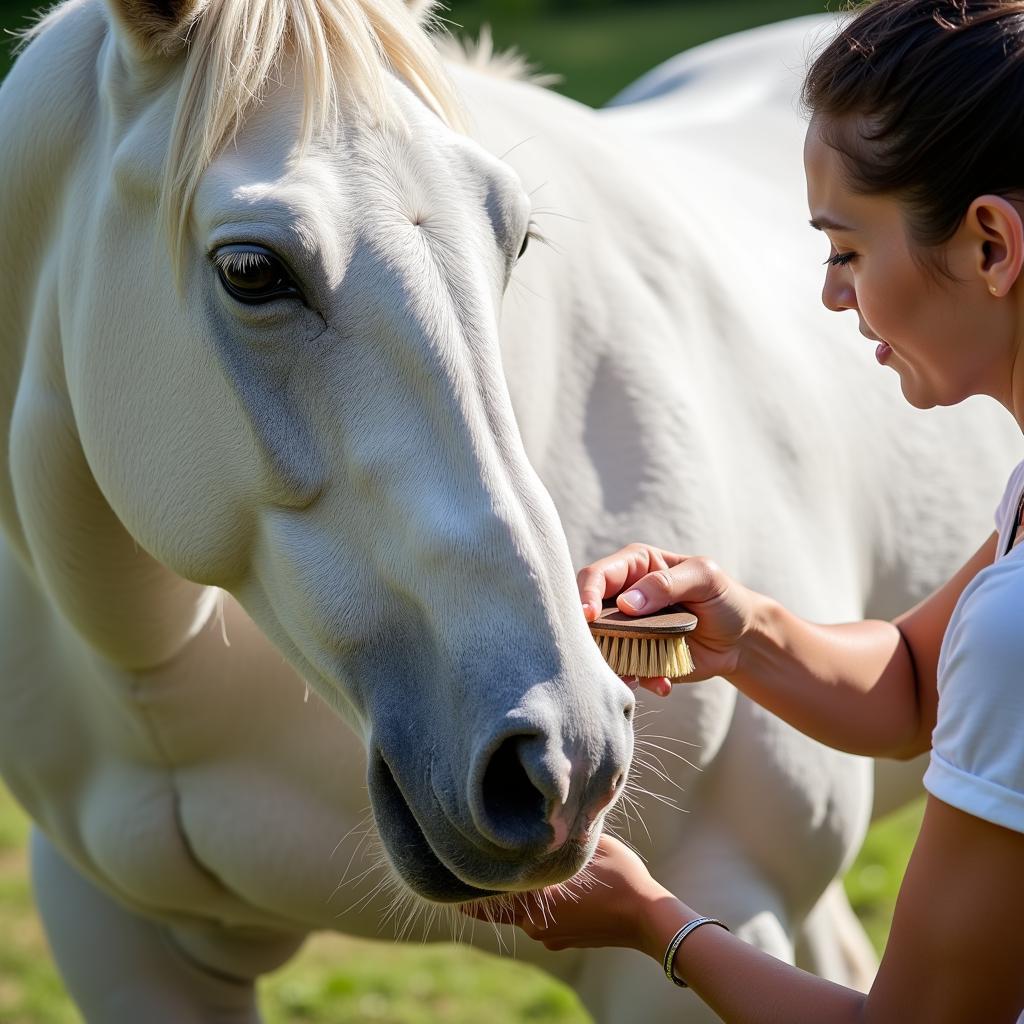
(993, 289)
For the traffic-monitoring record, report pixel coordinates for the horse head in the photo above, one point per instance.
(280, 290)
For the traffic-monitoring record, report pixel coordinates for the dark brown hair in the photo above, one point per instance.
(924, 100)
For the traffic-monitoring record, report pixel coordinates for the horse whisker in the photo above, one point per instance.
(673, 739)
(648, 745)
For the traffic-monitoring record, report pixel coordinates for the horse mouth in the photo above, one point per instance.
(408, 847)
(413, 856)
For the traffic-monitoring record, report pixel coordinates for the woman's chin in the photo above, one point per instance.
(923, 397)
(915, 392)
(918, 401)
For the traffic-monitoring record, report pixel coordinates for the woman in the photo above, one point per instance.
(915, 173)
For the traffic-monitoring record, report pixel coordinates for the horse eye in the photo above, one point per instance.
(253, 274)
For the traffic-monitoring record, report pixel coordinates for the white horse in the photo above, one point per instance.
(258, 432)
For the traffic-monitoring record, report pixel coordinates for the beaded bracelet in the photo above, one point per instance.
(677, 941)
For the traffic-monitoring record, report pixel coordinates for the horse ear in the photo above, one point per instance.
(156, 26)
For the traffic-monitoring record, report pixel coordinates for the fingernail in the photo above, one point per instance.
(590, 611)
(665, 689)
(634, 599)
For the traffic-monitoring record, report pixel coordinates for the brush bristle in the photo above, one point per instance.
(646, 657)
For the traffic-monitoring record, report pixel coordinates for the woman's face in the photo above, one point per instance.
(941, 334)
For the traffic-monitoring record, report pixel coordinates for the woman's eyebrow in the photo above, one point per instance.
(823, 223)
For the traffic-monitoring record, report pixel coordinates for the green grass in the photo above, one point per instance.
(413, 985)
(30, 991)
(335, 980)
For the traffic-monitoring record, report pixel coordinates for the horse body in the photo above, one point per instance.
(664, 387)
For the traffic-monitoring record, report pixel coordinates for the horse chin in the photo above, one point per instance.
(414, 860)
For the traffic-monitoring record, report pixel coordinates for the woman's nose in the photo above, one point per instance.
(838, 293)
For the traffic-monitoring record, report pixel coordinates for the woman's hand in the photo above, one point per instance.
(646, 579)
(615, 902)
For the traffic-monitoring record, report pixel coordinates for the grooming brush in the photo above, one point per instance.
(645, 645)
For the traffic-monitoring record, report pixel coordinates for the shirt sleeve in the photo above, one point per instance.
(977, 758)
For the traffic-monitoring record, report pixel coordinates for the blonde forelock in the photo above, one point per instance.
(343, 53)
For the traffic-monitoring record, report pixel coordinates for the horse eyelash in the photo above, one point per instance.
(534, 233)
(239, 260)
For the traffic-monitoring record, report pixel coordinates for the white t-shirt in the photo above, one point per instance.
(977, 758)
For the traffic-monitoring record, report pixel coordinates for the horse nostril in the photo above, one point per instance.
(617, 781)
(513, 804)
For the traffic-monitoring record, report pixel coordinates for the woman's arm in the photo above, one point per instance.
(955, 953)
(956, 949)
(864, 687)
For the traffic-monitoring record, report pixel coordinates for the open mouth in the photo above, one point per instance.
(420, 867)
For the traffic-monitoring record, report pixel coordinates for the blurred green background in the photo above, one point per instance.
(598, 46)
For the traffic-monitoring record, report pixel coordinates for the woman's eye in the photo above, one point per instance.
(840, 259)
(253, 274)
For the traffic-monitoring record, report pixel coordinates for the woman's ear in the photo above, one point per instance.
(155, 26)
(998, 231)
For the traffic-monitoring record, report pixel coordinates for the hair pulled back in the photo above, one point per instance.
(924, 101)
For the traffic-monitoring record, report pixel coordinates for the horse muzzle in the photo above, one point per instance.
(527, 820)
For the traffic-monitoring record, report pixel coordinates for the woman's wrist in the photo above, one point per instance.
(760, 640)
(663, 916)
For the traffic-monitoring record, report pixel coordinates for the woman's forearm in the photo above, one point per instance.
(849, 686)
(741, 983)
